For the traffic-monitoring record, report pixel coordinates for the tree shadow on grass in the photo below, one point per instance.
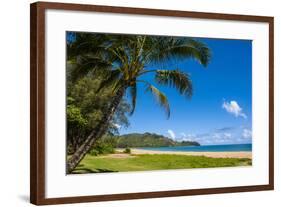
(105, 170)
(83, 170)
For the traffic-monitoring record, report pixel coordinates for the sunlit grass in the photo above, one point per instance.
(95, 164)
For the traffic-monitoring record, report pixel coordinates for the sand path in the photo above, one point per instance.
(242, 154)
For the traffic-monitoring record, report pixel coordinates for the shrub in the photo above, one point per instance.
(102, 147)
(94, 152)
(127, 150)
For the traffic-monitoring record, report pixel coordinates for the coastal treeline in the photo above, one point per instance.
(149, 140)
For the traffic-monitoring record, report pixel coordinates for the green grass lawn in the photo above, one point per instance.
(98, 164)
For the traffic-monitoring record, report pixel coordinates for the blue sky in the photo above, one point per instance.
(220, 110)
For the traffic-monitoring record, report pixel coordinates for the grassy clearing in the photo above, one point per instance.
(96, 164)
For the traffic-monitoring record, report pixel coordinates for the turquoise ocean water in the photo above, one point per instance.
(205, 148)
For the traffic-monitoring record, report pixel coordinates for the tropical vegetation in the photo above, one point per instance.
(106, 67)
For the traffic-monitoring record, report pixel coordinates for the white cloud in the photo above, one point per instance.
(233, 107)
(188, 137)
(227, 135)
(221, 137)
(171, 134)
(216, 136)
(118, 126)
(246, 133)
(213, 137)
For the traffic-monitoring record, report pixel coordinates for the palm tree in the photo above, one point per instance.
(122, 61)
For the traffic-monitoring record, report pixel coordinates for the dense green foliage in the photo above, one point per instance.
(85, 108)
(155, 162)
(103, 146)
(149, 140)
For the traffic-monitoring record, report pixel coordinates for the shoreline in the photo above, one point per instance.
(238, 154)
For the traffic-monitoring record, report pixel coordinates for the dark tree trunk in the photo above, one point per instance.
(75, 144)
(97, 133)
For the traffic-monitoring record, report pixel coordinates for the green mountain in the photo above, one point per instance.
(149, 140)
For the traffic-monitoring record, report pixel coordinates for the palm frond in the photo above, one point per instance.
(175, 78)
(163, 49)
(160, 97)
(86, 43)
(110, 78)
(86, 64)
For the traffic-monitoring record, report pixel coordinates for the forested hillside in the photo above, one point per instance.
(149, 140)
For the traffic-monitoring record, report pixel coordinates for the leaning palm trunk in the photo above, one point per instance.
(97, 133)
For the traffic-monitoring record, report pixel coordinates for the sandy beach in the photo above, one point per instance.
(240, 154)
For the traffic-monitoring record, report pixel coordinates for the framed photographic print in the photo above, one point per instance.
(130, 103)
